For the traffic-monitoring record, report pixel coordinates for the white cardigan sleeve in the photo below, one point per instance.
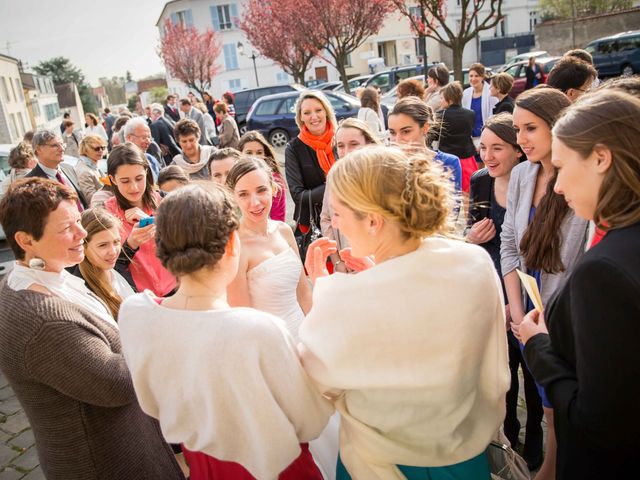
(509, 251)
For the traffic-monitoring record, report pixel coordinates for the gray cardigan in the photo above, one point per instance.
(67, 370)
(522, 185)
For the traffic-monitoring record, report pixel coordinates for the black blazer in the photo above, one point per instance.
(69, 173)
(457, 126)
(507, 104)
(304, 177)
(173, 115)
(588, 364)
(163, 135)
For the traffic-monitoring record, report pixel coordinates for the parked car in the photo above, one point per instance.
(354, 83)
(616, 55)
(274, 115)
(388, 79)
(328, 85)
(246, 98)
(518, 72)
(521, 57)
(391, 97)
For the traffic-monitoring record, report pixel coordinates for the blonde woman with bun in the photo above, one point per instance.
(418, 377)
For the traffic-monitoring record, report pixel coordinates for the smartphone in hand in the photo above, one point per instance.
(144, 222)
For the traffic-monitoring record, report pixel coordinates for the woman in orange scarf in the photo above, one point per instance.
(308, 159)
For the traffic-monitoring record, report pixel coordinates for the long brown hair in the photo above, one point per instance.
(96, 220)
(269, 153)
(609, 119)
(130, 154)
(540, 244)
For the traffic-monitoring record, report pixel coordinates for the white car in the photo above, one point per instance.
(523, 56)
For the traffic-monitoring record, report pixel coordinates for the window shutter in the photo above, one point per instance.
(235, 20)
(189, 18)
(214, 18)
(174, 18)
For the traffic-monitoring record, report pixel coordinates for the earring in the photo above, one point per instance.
(36, 263)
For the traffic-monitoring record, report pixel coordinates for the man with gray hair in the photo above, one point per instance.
(162, 132)
(49, 150)
(137, 132)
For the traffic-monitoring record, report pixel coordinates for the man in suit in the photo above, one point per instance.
(196, 115)
(171, 109)
(162, 132)
(49, 150)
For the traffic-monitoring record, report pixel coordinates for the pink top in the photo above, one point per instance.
(146, 270)
(279, 206)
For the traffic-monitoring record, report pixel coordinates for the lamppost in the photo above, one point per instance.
(253, 57)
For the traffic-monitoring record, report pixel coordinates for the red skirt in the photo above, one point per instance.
(205, 467)
(468, 167)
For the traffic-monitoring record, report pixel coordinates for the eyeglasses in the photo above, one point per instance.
(56, 145)
(99, 148)
(143, 137)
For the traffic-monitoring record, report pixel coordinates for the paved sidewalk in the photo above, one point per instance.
(18, 456)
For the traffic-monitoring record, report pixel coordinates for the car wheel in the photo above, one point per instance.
(278, 138)
(242, 128)
(627, 71)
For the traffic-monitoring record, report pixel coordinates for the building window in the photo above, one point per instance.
(348, 64)
(230, 56)
(224, 17)
(22, 122)
(235, 84)
(184, 18)
(12, 126)
(51, 111)
(5, 90)
(19, 89)
(282, 78)
(533, 20)
(13, 90)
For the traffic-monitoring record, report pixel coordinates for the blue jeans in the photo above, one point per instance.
(476, 468)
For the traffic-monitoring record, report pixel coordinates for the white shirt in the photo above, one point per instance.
(63, 285)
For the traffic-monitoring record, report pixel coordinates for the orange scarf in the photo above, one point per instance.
(322, 145)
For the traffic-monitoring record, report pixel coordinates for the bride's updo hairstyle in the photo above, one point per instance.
(193, 227)
(402, 186)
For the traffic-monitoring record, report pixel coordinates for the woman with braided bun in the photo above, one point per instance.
(225, 382)
(418, 376)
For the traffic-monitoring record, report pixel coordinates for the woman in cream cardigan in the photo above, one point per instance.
(418, 376)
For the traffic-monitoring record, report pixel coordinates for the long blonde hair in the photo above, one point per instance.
(96, 220)
(404, 186)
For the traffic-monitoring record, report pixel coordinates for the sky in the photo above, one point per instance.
(102, 38)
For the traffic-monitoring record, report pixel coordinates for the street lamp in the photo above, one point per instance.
(253, 57)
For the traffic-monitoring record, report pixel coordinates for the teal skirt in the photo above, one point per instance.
(476, 468)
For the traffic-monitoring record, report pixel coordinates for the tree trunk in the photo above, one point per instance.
(457, 50)
(342, 70)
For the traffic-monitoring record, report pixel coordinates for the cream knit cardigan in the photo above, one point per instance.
(415, 353)
(227, 382)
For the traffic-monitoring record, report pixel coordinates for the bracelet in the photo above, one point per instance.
(335, 264)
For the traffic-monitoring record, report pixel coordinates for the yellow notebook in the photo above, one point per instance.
(531, 286)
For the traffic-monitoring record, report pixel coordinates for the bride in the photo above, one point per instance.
(270, 274)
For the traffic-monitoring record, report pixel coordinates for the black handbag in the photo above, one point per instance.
(305, 239)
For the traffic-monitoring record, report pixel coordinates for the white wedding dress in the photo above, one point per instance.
(273, 289)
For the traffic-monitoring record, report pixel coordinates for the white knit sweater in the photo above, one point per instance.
(415, 352)
(227, 382)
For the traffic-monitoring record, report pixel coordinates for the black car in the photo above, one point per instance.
(246, 98)
(388, 79)
(275, 116)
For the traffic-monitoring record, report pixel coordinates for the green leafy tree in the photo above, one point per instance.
(114, 88)
(561, 9)
(132, 104)
(63, 71)
(158, 94)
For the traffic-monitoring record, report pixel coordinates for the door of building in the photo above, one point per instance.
(321, 74)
